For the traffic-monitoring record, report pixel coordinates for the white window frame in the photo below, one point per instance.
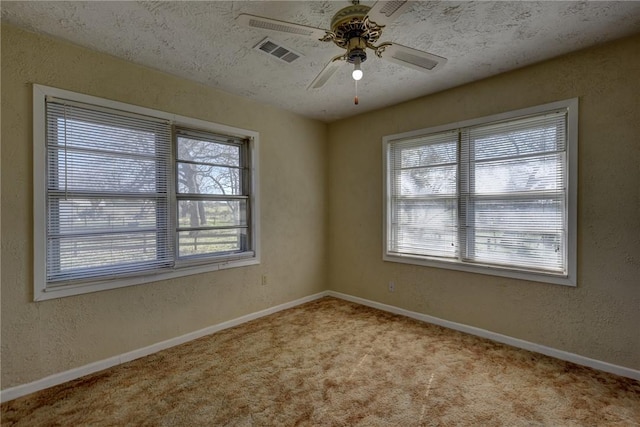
(568, 279)
(41, 291)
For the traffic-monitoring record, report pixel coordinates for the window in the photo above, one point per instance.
(213, 195)
(125, 195)
(495, 195)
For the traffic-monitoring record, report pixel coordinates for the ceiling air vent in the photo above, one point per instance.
(275, 49)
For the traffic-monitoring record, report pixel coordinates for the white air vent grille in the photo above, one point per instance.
(283, 27)
(391, 7)
(276, 50)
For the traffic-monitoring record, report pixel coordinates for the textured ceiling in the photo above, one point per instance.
(201, 41)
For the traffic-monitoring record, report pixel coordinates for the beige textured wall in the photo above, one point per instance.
(39, 339)
(600, 318)
(321, 207)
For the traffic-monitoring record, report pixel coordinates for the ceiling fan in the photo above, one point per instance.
(354, 28)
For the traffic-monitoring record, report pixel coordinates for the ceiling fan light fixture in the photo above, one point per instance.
(357, 71)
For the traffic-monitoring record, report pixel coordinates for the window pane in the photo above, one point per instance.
(520, 233)
(210, 165)
(100, 172)
(428, 155)
(545, 215)
(542, 173)
(98, 132)
(534, 135)
(203, 151)
(68, 254)
(425, 227)
(523, 249)
(206, 179)
(95, 215)
(211, 242)
(110, 155)
(199, 213)
(426, 181)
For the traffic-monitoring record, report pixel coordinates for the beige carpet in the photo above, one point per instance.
(334, 363)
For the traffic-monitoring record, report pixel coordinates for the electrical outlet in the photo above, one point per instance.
(264, 280)
(392, 286)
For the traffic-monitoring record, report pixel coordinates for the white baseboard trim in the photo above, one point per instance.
(514, 342)
(72, 374)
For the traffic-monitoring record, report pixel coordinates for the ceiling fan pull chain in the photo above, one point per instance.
(355, 100)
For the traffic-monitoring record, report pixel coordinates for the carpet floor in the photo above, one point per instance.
(334, 363)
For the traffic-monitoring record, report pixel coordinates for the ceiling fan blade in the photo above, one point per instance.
(261, 22)
(384, 12)
(412, 58)
(327, 72)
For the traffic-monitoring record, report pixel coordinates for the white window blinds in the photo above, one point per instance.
(513, 193)
(125, 195)
(491, 193)
(106, 192)
(424, 200)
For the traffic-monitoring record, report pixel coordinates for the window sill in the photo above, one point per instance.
(54, 292)
(529, 275)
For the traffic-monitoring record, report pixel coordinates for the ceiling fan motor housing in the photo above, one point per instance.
(356, 49)
(352, 30)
